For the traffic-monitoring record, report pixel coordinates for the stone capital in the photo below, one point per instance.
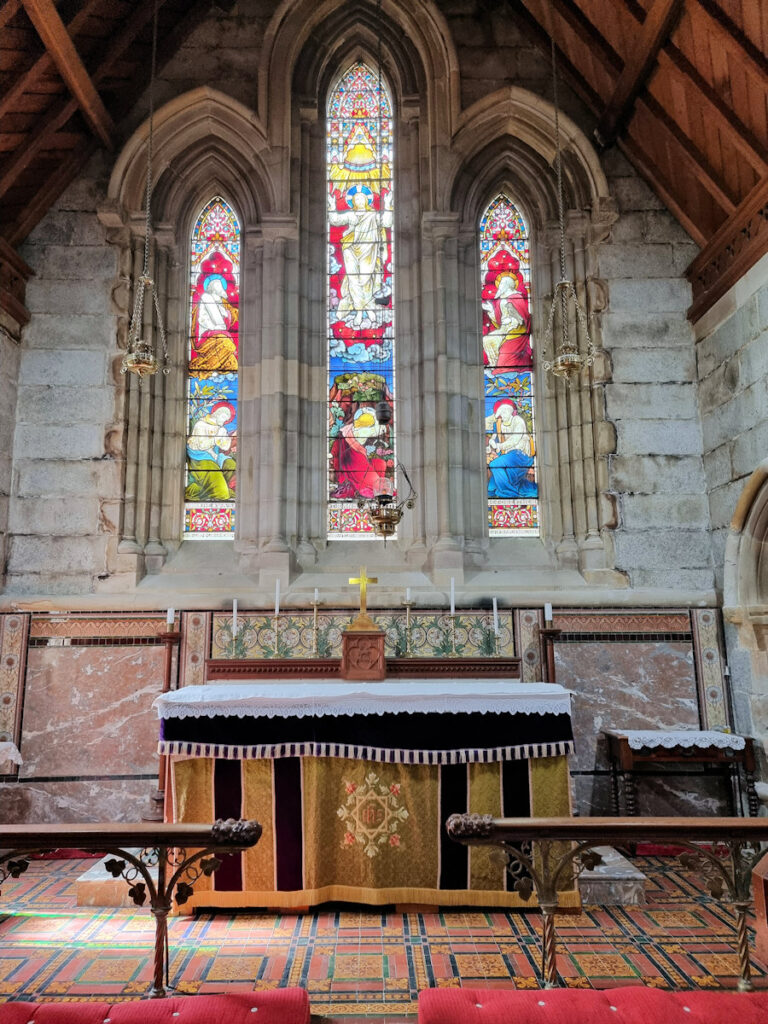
(435, 224)
(276, 226)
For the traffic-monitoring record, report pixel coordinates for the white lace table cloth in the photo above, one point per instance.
(639, 738)
(10, 752)
(302, 699)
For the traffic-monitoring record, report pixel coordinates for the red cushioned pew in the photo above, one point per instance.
(629, 1005)
(273, 1006)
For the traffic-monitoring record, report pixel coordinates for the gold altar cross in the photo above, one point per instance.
(363, 580)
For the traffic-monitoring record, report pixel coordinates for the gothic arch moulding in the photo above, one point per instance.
(308, 32)
(745, 583)
(517, 128)
(203, 140)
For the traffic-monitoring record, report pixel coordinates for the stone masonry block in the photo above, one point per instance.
(753, 360)
(625, 260)
(660, 365)
(663, 295)
(68, 297)
(722, 503)
(645, 330)
(717, 347)
(47, 516)
(672, 579)
(661, 226)
(762, 307)
(74, 262)
(646, 511)
(49, 584)
(658, 437)
(64, 441)
(717, 466)
(651, 401)
(720, 386)
(662, 549)
(735, 416)
(100, 477)
(62, 554)
(630, 227)
(657, 474)
(72, 367)
(60, 227)
(633, 194)
(70, 332)
(616, 165)
(43, 404)
(749, 449)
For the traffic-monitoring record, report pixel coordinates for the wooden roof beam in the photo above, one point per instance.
(655, 31)
(583, 28)
(751, 55)
(53, 32)
(8, 11)
(26, 82)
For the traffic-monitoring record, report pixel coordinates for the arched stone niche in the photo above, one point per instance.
(745, 585)
(505, 143)
(205, 143)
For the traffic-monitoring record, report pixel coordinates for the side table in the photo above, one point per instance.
(629, 749)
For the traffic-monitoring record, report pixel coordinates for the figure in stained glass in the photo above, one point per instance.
(361, 373)
(508, 360)
(212, 387)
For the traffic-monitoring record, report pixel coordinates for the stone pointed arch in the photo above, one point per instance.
(200, 137)
(415, 34)
(515, 127)
(745, 582)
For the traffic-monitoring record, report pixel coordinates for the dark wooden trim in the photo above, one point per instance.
(735, 247)
(103, 836)
(14, 274)
(605, 831)
(698, 163)
(44, 63)
(11, 7)
(655, 31)
(56, 39)
(330, 668)
(727, 29)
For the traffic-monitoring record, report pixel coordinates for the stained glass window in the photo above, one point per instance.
(361, 343)
(510, 447)
(214, 291)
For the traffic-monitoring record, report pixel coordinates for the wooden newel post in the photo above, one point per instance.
(160, 908)
(156, 811)
(548, 635)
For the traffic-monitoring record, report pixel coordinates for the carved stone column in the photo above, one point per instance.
(442, 394)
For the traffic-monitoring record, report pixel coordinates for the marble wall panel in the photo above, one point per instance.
(626, 685)
(88, 710)
(673, 795)
(85, 800)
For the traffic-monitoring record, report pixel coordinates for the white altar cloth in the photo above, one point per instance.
(639, 738)
(311, 698)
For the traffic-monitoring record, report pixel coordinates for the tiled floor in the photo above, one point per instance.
(353, 961)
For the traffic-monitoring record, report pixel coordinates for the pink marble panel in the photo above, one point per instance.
(75, 802)
(625, 686)
(88, 711)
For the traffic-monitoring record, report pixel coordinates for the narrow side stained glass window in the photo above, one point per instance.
(211, 461)
(510, 447)
(361, 342)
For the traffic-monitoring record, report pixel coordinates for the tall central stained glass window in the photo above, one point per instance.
(510, 447)
(361, 342)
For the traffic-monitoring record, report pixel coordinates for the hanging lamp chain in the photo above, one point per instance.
(567, 362)
(140, 357)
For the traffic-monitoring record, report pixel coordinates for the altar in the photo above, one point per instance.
(353, 782)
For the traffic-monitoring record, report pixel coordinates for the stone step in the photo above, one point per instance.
(616, 881)
(97, 888)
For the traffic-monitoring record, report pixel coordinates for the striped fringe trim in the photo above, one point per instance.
(359, 753)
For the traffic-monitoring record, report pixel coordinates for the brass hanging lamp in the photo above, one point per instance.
(568, 361)
(141, 357)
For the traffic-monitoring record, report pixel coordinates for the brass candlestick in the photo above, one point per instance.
(407, 602)
(314, 626)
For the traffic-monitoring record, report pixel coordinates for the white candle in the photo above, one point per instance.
(234, 617)
(169, 616)
(547, 612)
(317, 595)
(277, 596)
(495, 616)
(453, 597)
(407, 595)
